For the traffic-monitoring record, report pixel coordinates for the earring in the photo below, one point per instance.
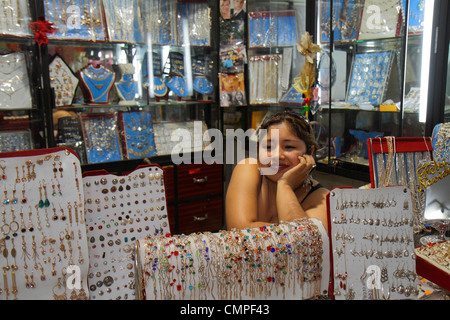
(59, 296)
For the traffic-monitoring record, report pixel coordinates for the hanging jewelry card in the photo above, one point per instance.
(160, 21)
(440, 139)
(123, 20)
(283, 261)
(15, 140)
(70, 135)
(345, 20)
(43, 240)
(138, 136)
(63, 81)
(385, 22)
(15, 18)
(101, 137)
(372, 245)
(268, 29)
(76, 19)
(394, 161)
(15, 90)
(369, 77)
(194, 21)
(96, 83)
(120, 210)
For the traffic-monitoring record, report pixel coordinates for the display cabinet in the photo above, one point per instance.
(371, 73)
(22, 116)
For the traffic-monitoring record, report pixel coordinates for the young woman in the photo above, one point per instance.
(287, 193)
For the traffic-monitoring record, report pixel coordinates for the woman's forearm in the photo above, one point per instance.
(288, 207)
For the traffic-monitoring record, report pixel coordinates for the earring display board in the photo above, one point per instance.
(123, 20)
(394, 161)
(11, 141)
(76, 19)
(369, 77)
(101, 137)
(15, 90)
(63, 81)
(119, 210)
(275, 262)
(372, 245)
(42, 225)
(138, 136)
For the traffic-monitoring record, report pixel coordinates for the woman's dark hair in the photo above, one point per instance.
(297, 123)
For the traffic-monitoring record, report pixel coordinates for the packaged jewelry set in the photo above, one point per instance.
(68, 236)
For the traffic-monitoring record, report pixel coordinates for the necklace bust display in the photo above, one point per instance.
(127, 87)
(96, 83)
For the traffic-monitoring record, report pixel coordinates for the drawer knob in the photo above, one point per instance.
(205, 217)
(204, 180)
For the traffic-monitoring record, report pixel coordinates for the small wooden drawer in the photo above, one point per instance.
(201, 216)
(199, 179)
(169, 183)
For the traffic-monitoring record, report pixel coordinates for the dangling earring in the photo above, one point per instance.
(59, 296)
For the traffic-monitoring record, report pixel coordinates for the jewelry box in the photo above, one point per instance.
(275, 262)
(76, 19)
(138, 139)
(369, 77)
(44, 242)
(63, 81)
(372, 244)
(15, 91)
(120, 210)
(101, 137)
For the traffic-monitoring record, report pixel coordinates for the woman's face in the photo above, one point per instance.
(280, 150)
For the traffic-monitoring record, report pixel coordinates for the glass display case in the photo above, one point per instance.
(371, 73)
(22, 116)
(120, 94)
